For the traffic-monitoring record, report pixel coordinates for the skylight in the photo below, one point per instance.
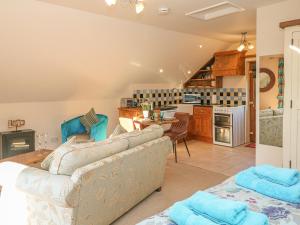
(215, 11)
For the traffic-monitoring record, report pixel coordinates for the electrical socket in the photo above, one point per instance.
(54, 140)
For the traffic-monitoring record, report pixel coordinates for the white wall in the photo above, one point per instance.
(270, 41)
(46, 117)
(55, 53)
(269, 35)
(57, 62)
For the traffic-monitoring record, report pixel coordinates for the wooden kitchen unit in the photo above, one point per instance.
(202, 123)
(229, 63)
(130, 113)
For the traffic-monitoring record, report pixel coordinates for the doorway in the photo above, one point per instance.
(252, 100)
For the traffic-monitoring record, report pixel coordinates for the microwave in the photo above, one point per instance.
(192, 98)
(128, 102)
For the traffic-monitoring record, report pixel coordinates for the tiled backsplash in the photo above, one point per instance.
(159, 97)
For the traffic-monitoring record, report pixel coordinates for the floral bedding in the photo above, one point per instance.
(279, 212)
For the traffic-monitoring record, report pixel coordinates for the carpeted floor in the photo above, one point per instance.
(181, 181)
(208, 166)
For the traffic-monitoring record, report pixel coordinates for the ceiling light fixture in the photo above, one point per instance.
(245, 44)
(161, 70)
(139, 4)
(294, 47)
(200, 46)
(111, 2)
(189, 72)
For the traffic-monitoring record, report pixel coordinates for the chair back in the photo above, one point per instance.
(181, 127)
(74, 127)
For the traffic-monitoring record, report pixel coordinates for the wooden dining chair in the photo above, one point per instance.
(179, 131)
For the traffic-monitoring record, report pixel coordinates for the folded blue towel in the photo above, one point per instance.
(217, 209)
(182, 215)
(250, 180)
(254, 218)
(283, 176)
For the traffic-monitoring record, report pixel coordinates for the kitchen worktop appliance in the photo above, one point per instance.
(229, 125)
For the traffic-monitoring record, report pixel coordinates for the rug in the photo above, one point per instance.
(251, 145)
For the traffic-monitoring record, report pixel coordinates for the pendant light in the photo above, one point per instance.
(111, 2)
(245, 44)
(139, 4)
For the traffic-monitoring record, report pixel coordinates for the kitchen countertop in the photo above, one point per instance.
(164, 108)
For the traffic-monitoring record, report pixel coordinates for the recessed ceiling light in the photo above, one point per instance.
(189, 72)
(200, 46)
(163, 10)
(161, 70)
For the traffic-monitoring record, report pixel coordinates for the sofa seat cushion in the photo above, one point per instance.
(137, 137)
(68, 158)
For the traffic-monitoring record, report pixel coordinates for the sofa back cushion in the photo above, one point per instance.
(137, 137)
(68, 158)
(266, 112)
(45, 164)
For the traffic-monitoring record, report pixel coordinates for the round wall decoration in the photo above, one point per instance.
(266, 79)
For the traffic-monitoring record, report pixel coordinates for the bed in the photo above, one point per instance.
(279, 212)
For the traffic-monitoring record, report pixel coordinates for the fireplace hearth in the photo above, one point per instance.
(16, 142)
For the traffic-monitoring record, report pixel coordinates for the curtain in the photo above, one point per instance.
(280, 82)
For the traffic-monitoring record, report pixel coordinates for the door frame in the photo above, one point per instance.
(252, 101)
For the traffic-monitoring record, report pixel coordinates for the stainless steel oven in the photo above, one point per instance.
(223, 135)
(229, 125)
(223, 129)
(222, 119)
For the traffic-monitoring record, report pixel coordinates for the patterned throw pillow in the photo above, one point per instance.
(117, 131)
(47, 161)
(89, 119)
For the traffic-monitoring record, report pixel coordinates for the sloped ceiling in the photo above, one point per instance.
(226, 28)
(49, 52)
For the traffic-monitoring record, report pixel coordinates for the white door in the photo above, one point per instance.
(294, 58)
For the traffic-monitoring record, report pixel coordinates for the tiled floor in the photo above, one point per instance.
(219, 159)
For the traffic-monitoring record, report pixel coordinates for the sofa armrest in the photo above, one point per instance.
(9, 172)
(41, 184)
(64, 132)
(99, 131)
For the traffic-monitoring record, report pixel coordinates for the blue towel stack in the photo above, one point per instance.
(283, 176)
(205, 208)
(278, 183)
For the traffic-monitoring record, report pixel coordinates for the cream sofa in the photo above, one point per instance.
(96, 193)
(271, 127)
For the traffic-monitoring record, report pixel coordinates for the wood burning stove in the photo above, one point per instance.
(16, 142)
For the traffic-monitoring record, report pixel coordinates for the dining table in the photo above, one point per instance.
(142, 123)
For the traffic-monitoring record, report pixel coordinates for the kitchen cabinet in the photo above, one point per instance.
(126, 116)
(202, 127)
(229, 63)
(130, 113)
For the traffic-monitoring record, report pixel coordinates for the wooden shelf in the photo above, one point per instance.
(205, 79)
(203, 71)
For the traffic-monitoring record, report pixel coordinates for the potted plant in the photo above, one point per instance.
(146, 108)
